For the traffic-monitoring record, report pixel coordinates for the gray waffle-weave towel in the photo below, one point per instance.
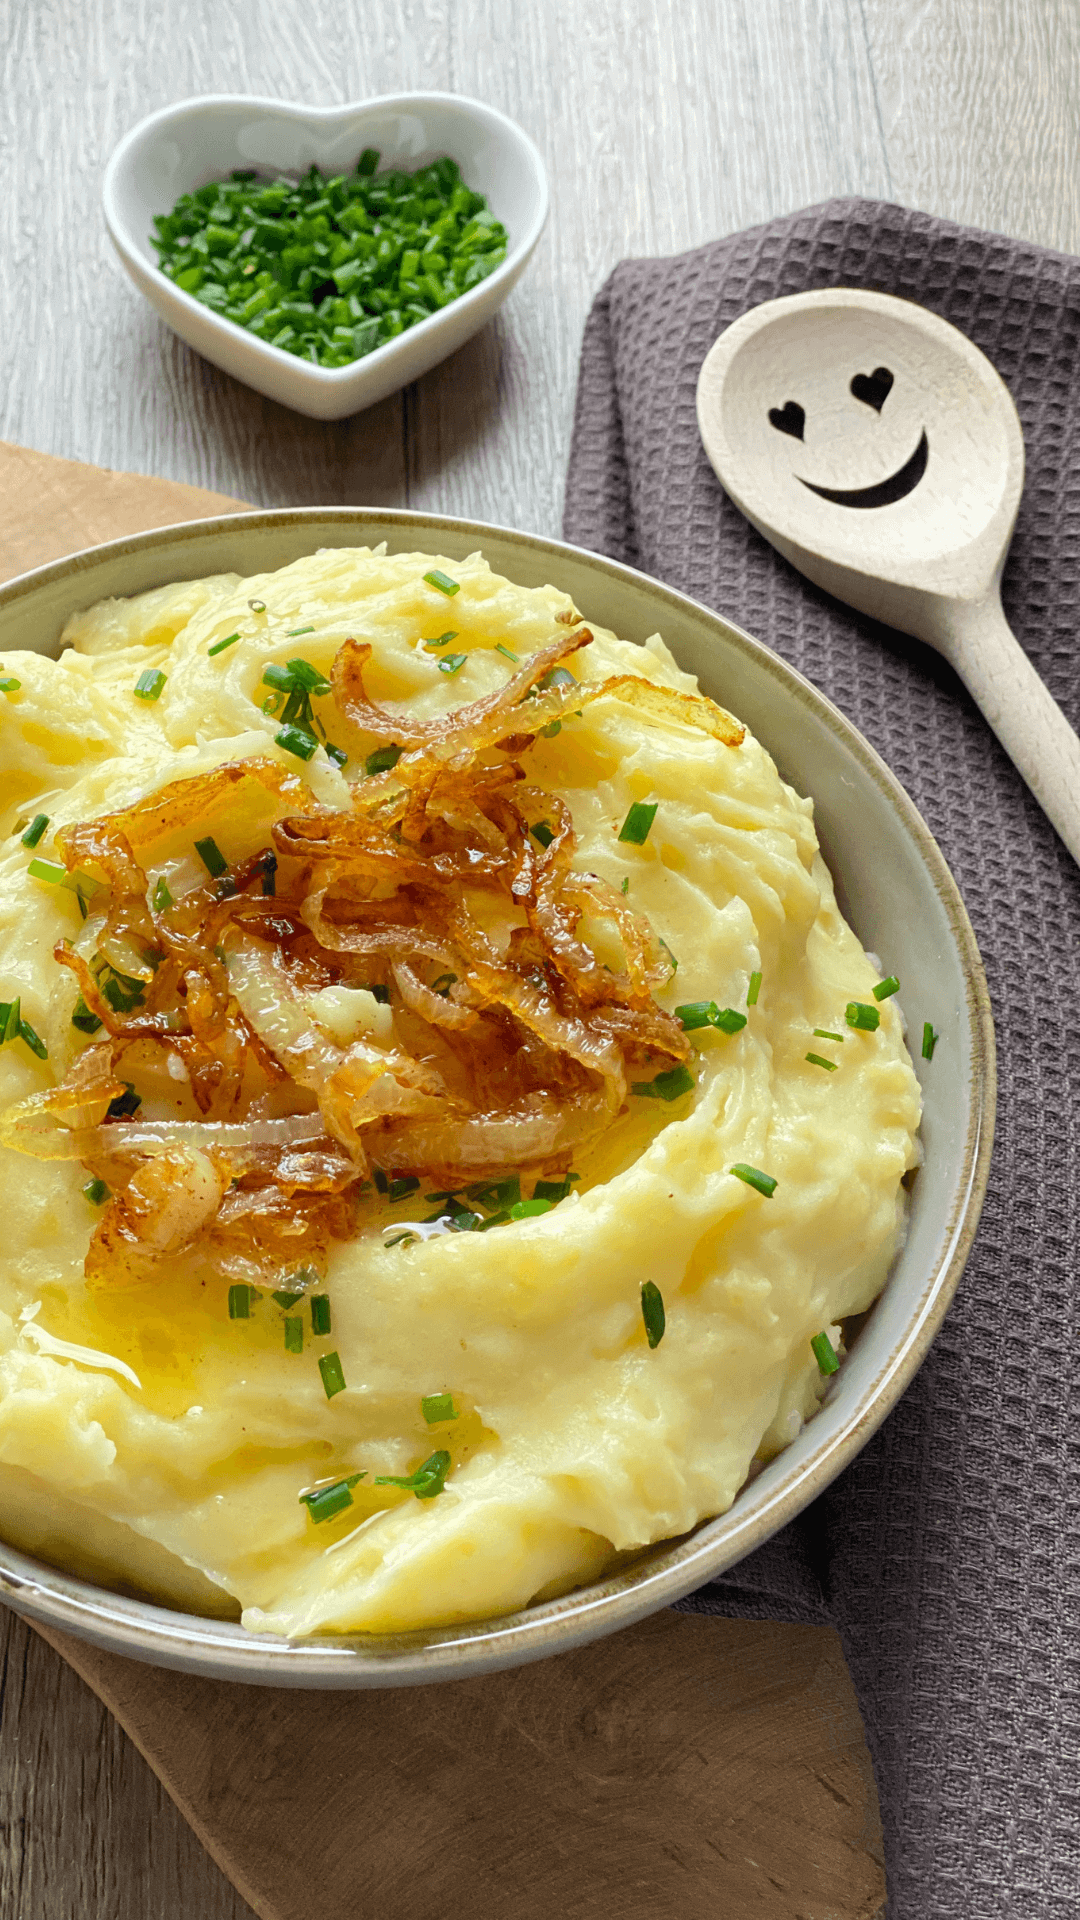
(948, 1555)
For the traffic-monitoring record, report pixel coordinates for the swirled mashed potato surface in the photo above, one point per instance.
(575, 1440)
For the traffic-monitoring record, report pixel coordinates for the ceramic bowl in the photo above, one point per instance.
(186, 145)
(916, 921)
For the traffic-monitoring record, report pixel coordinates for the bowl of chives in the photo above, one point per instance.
(893, 887)
(185, 148)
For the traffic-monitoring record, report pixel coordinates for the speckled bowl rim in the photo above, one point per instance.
(663, 1573)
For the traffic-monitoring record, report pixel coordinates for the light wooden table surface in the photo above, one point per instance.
(664, 123)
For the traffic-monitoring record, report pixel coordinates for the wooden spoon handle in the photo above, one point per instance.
(1023, 713)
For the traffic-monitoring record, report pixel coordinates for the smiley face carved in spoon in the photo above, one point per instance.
(873, 390)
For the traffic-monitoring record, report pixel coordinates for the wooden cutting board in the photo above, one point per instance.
(686, 1769)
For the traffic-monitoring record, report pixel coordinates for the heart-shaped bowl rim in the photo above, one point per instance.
(374, 368)
(855, 794)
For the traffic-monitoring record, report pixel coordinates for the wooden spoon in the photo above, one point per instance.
(881, 453)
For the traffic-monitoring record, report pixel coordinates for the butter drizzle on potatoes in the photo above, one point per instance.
(492, 844)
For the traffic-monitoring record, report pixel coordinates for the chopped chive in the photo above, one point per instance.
(12, 1020)
(866, 1018)
(97, 1192)
(149, 684)
(35, 830)
(211, 856)
(727, 1019)
(825, 1353)
(163, 899)
(428, 1480)
(652, 1312)
(465, 1222)
(530, 1209)
(670, 955)
(500, 1219)
(332, 1377)
(382, 1184)
(553, 727)
(667, 1086)
(304, 676)
(285, 1297)
(495, 1193)
(83, 1019)
(381, 760)
(278, 677)
(33, 1040)
(401, 1188)
(929, 1040)
(438, 1406)
(220, 645)
(295, 632)
(48, 870)
(753, 990)
(297, 740)
(337, 754)
(762, 1183)
(271, 704)
(382, 995)
(294, 1333)
(257, 606)
(635, 828)
(697, 1013)
(554, 1190)
(542, 832)
(9, 684)
(824, 1033)
(626, 884)
(452, 662)
(240, 1302)
(320, 1313)
(124, 1105)
(886, 988)
(326, 1501)
(441, 640)
(499, 648)
(436, 578)
(816, 1060)
(444, 983)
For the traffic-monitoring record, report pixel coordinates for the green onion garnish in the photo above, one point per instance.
(428, 1480)
(499, 648)
(698, 1013)
(929, 1040)
(886, 988)
(444, 983)
(816, 1060)
(442, 640)
(382, 1184)
(9, 684)
(211, 856)
(436, 578)
(295, 632)
(542, 832)
(33, 1040)
(163, 899)
(257, 606)
(823, 1033)
(278, 677)
(240, 1302)
(124, 1105)
(438, 1406)
(452, 662)
(149, 684)
(635, 828)
(296, 740)
(326, 1501)
(294, 1333)
(496, 1193)
(304, 676)
(320, 1313)
(866, 1018)
(285, 1298)
(381, 760)
(271, 704)
(332, 1377)
(670, 955)
(652, 1312)
(401, 1188)
(35, 830)
(554, 1190)
(97, 1192)
(753, 990)
(667, 1086)
(10, 1019)
(48, 870)
(727, 1019)
(529, 1209)
(220, 645)
(337, 754)
(825, 1353)
(83, 1019)
(626, 884)
(761, 1182)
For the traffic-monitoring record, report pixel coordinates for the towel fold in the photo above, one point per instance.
(948, 1554)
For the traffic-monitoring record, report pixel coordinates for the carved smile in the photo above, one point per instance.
(885, 492)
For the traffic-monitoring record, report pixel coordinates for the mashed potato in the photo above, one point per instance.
(149, 1439)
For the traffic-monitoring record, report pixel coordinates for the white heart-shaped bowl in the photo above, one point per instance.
(896, 890)
(187, 145)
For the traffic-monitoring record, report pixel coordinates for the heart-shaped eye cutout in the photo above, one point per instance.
(873, 388)
(791, 418)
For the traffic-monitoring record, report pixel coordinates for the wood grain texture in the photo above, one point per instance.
(664, 123)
